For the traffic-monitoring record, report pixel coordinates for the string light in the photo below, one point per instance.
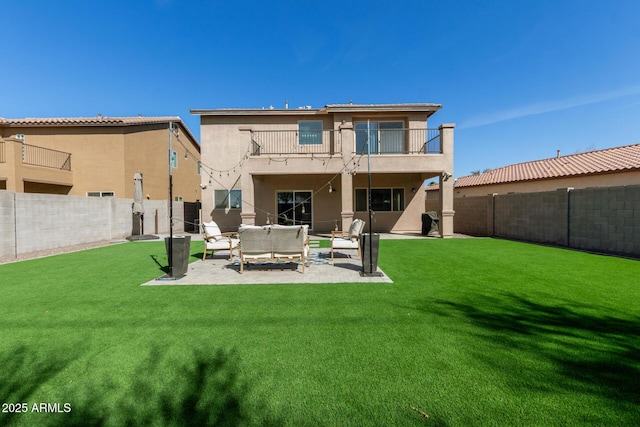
(354, 161)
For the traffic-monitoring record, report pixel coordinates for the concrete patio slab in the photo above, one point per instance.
(220, 271)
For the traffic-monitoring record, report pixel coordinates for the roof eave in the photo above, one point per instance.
(256, 112)
(383, 108)
(430, 109)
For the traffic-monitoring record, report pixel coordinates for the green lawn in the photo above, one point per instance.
(471, 332)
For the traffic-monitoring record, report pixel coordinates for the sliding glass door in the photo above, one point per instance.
(294, 207)
(385, 137)
(362, 137)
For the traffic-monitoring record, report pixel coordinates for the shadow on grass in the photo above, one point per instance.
(22, 373)
(203, 389)
(593, 350)
(164, 268)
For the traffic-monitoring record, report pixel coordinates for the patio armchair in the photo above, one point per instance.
(349, 240)
(215, 240)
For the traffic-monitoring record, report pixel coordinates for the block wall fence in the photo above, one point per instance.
(602, 219)
(40, 222)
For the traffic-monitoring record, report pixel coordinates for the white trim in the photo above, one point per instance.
(100, 193)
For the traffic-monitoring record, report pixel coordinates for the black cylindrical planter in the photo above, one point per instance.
(370, 245)
(181, 246)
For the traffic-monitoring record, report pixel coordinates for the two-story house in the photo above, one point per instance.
(310, 166)
(98, 156)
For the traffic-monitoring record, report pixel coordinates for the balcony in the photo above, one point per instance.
(28, 168)
(330, 142)
(398, 141)
(45, 157)
(285, 142)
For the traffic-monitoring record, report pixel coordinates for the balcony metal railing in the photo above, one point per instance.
(296, 142)
(393, 141)
(433, 142)
(45, 157)
(399, 141)
(3, 156)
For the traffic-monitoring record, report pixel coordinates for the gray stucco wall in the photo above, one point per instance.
(40, 222)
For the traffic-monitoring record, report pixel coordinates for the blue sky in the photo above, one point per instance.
(520, 79)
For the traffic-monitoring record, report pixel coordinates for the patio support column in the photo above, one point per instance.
(346, 180)
(346, 194)
(248, 214)
(447, 182)
(13, 156)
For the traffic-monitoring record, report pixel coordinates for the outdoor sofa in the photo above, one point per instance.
(274, 243)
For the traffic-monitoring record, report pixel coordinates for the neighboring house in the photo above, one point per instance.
(99, 156)
(610, 167)
(309, 166)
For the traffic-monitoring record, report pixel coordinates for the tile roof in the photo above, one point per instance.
(89, 121)
(593, 162)
(97, 121)
(615, 159)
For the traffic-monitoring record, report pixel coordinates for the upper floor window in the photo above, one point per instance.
(309, 132)
(383, 137)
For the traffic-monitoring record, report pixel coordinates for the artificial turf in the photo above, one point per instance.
(471, 332)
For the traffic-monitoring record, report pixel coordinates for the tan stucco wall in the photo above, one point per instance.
(226, 149)
(96, 160)
(104, 158)
(147, 153)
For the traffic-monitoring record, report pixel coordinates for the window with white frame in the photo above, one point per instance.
(382, 199)
(309, 132)
(227, 199)
(100, 194)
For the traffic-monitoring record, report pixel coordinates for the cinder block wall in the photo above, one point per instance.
(7, 225)
(46, 221)
(471, 215)
(603, 219)
(606, 219)
(535, 217)
(40, 222)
